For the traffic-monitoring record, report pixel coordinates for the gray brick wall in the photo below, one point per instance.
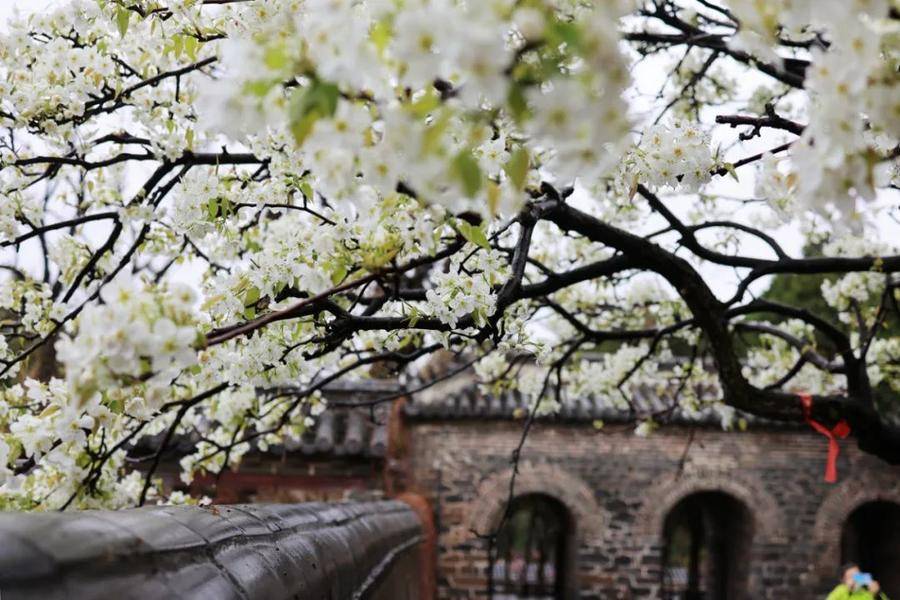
(619, 488)
(304, 551)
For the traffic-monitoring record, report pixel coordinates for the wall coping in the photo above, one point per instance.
(271, 551)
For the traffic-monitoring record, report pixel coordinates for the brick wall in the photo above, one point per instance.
(619, 488)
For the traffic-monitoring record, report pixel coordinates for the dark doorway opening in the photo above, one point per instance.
(706, 547)
(871, 539)
(532, 550)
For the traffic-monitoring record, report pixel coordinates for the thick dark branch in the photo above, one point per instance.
(772, 121)
(558, 281)
(60, 225)
(711, 316)
(223, 335)
(689, 240)
(760, 267)
(719, 43)
(816, 266)
(598, 336)
(769, 240)
(840, 339)
(802, 346)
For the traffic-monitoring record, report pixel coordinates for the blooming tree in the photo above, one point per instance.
(210, 210)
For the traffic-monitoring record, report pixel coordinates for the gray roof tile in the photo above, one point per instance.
(466, 401)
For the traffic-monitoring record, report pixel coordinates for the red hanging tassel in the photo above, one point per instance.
(839, 431)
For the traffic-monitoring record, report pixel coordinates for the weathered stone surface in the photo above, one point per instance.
(328, 551)
(619, 488)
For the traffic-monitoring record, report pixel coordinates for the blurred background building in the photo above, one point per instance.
(688, 512)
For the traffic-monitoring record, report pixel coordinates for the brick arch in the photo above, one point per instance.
(660, 499)
(551, 480)
(839, 504)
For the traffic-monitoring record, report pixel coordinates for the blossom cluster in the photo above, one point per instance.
(857, 296)
(42, 424)
(673, 155)
(138, 333)
(468, 288)
(554, 73)
(853, 83)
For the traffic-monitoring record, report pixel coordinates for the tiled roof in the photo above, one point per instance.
(464, 400)
(344, 432)
(341, 431)
(348, 430)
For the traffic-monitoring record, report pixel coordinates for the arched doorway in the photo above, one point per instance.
(871, 538)
(706, 544)
(532, 550)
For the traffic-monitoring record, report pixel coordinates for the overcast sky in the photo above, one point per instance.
(25, 6)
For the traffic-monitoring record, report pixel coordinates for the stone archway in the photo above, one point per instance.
(586, 519)
(707, 539)
(845, 498)
(550, 480)
(659, 501)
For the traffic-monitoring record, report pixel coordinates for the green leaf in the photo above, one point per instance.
(276, 57)
(302, 127)
(381, 35)
(425, 104)
(83, 460)
(15, 449)
(251, 296)
(310, 104)
(116, 406)
(178, 45)
(466, 169)
(473, 233)
(122, 17)
(414, 316)
(226, 207)
(493, 197)
(431, 139)
(338, 274)
(258, 87)
(307, 191)
(563, 32)
(49, 411)
(517, 167)
(731, 170)
(191, 46)
(518, 106)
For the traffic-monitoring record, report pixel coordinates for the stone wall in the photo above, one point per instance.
(304, 551)
(619, 488)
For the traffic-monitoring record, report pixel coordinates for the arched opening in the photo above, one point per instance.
(871, 539)
(706, 545)
(532, 550)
